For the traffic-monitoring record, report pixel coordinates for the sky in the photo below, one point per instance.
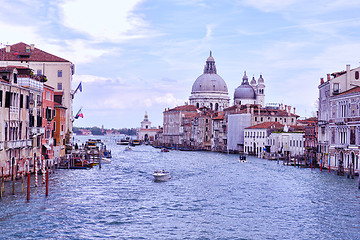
(137, 56)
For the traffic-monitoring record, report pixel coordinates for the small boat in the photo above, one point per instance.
(105, 160)
(242, 159)
(164, 150)
(135, 142)
(161, 175)
(128, 148)
(124, 141)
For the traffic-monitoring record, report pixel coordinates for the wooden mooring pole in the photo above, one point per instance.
(47, 182)
(2, 182)
(28, 187)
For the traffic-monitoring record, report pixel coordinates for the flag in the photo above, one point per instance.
(79, 114)
(78, 88)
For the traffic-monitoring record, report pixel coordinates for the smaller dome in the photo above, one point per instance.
(253, 81)
(260, 80)
(244, 92)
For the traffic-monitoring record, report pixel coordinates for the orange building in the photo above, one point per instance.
(48, 112)
(59, 125)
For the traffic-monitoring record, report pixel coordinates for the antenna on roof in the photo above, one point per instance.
(210, 53)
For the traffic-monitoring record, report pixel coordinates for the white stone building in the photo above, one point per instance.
(209, 89)
(292, 143)
(146, 133)
(235, 134)
(256, 137)
(344, 131)
(339, 119)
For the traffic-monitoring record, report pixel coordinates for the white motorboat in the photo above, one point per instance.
(128, 148)
(105, 160)
(161, 175)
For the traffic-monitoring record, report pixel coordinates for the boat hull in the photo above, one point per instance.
(160, 176)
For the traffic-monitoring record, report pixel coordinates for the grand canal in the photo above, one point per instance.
(210, 196)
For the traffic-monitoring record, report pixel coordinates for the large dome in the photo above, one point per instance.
(208, 82)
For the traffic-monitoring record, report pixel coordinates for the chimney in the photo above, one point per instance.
(289, 109)
(348, 79)
(7, 48)
(285, 108)
(321, 80)
(328, 76)
(32, 46)
(294, 110)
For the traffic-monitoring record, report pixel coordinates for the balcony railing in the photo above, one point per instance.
(37, 130)
(31, 83)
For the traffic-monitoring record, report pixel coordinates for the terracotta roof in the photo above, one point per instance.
(18, 53)
(266, 125)
(183, 108)
(220, 116)
(353, 90)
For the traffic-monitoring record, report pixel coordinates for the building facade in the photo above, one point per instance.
(58, 71)
(146, 133)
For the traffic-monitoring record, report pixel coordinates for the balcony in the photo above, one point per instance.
(30, 83)
(37, 130)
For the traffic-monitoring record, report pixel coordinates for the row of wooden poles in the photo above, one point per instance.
(45, 180)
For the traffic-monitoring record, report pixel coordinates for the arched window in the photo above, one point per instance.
(211, 106)
(216, 107)
(357, 75)
(197, 105)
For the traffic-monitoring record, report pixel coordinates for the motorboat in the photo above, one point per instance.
(161, 175)
(105, 160)
(242, 159)
(127, 148)
(135, 142)
(123, 142)
(164, 150)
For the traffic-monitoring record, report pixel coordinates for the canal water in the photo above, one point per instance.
(210, 196)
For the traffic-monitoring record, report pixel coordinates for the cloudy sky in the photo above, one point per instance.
(134, 56)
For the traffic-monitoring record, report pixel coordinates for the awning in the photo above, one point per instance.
(47, 146)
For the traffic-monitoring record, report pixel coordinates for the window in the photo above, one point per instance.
(59, 86)
(357, 75)
(7, 99)
(21, 100)
(1, 98)
(59, 73)
(336, 88)
(48, 95)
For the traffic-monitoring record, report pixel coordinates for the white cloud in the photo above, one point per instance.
(269, 5)
(12, 33)
(105, 20)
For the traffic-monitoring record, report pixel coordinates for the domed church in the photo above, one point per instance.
(209, 89)
(250, 94)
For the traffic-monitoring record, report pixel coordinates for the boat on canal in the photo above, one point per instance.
(128, 148)
(242, 159)
(161, 175)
